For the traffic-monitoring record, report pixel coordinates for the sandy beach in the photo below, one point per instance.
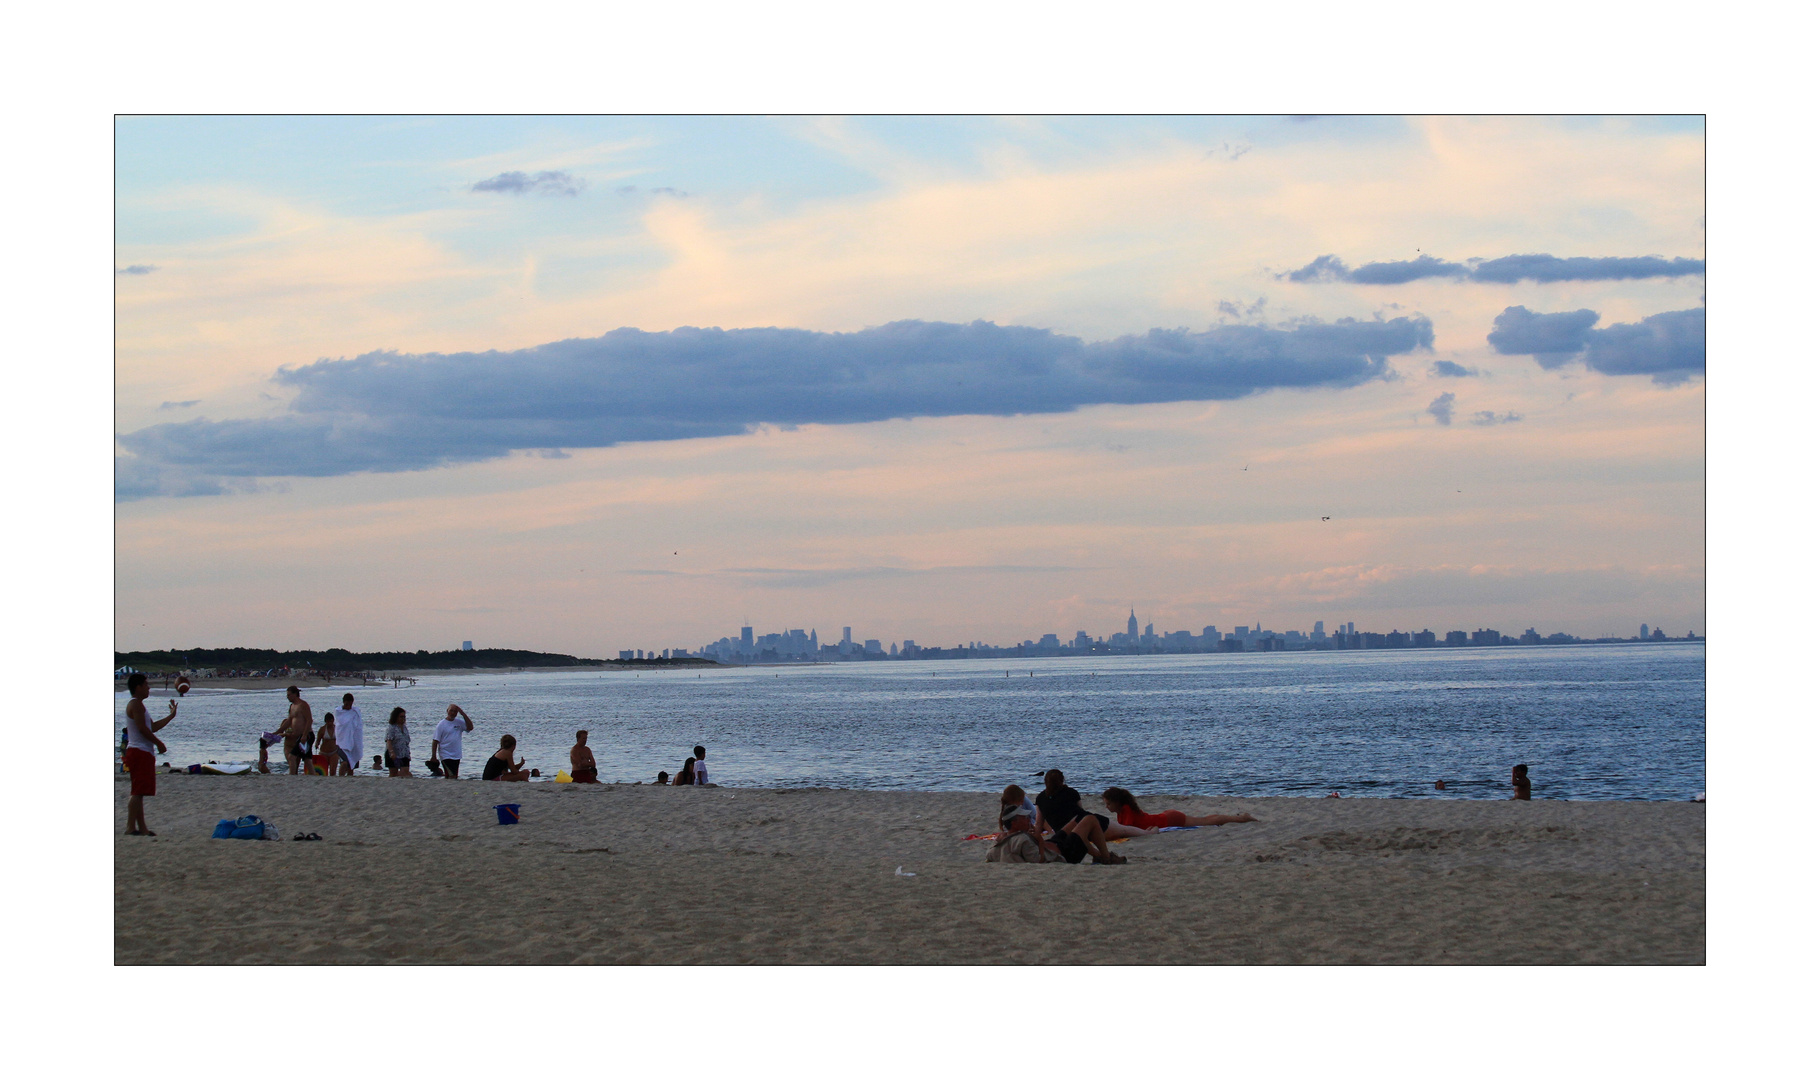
(418, 871)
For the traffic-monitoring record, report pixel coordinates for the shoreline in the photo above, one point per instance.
(634, 873)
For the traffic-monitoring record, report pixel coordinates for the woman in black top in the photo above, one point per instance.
(501, 766)
(1077, 832)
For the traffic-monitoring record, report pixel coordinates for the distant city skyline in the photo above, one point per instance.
(801, 645)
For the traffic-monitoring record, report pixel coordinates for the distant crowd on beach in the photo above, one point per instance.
(337, 747)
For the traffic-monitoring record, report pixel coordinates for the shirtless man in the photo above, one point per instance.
(581, 761)
(141, 739)
(299, 731)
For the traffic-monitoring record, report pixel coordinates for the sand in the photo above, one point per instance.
(417, 871)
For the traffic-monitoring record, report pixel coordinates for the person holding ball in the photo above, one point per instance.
(141, 742)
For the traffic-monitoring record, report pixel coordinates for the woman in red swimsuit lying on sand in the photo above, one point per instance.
(1120, 802)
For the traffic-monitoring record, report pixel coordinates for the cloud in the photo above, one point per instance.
(1546, 268)
(1447, 369)
(1670, 347)
(1552, 339)
(540, 183)
(385, 411)
(634, 189)
(179, 404)
(1507, 270)
(1441, 409)
(1488, 419)
(138, 478)
(137, 269)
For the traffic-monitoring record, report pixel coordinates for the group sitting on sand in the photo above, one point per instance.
(694, 770)
(1056, 827)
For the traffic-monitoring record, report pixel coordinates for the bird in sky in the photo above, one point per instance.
(1326, 519)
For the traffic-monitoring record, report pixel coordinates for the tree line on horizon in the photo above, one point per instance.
(342, 659)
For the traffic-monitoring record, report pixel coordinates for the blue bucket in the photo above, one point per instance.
(508, 813)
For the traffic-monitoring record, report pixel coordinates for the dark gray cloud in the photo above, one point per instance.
(1441, 409)
(385, 411)
(1447, 369)
(1669, 347)
(1485, 418)
(1507, 270)
(136, 269)
(180, 404)
(537, 183)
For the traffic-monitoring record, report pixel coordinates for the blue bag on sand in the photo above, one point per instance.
(223, 829)
(247, 828)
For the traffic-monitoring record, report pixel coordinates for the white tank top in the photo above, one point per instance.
(137, 739)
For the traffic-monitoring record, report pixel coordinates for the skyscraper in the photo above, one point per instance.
(1131, 626)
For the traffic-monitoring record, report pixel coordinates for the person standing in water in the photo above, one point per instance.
(350, 735)
(299, 731)
(141, 743)
(445, 742)
(1519, 782)
(397, 745)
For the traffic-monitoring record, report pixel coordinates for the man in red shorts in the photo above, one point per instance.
(141, 740)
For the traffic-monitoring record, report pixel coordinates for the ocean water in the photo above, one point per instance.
(1592, 722)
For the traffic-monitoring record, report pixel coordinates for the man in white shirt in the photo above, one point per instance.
(701, 765)
(350, 737)
(445, 742)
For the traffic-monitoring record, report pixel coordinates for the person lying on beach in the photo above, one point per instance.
(1121, 803)
(1077, 833)
(298, 730)
(325, 744)
(581, 761)
(501, 766)
(397, 745)
(1016, 813)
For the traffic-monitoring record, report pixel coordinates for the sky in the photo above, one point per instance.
(588, 384)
